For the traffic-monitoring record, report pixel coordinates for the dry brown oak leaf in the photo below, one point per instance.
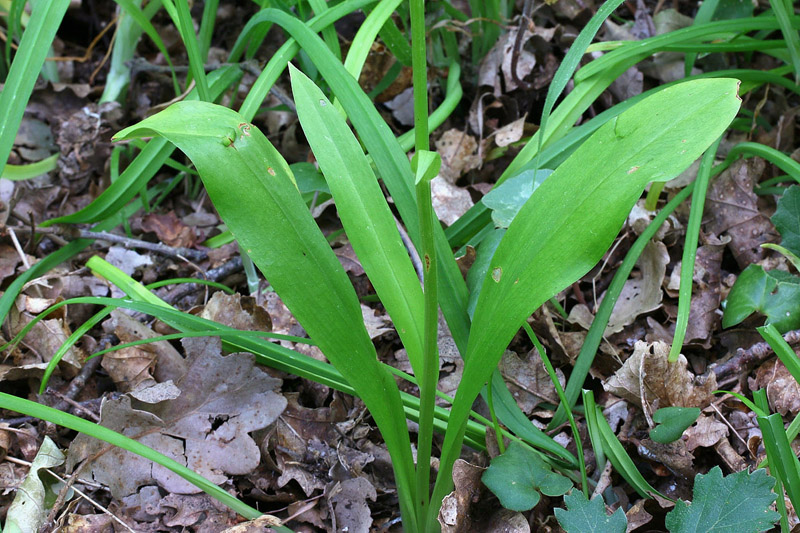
(222, 399)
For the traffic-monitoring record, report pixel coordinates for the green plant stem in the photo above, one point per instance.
(776, 157)
(651, 201)
(430, 354)
(562, 397)
(690, 250)
(495, 423)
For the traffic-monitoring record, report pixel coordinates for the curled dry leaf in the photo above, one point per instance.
(499, 59)
(260, 524)
(511, 132)
(376, 323)
(639, 295)
(449, 201)
(222, 400)
(454, 515)
(706, 432)
(458, 152)
(506, 521)
(169, 229)
(237, 311)
(647, 376)
(783, 391)
(169, 364)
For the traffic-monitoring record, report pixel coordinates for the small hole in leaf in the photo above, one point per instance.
(497, 273)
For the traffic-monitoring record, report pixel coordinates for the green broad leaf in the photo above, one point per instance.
(364, 213)
(672, 422)
(519, 475)
(773, 293)
(507, 199)
(731, 504)
(787, 219)
(308, 178)
(255, 194)
(589, 516)
(573, 217)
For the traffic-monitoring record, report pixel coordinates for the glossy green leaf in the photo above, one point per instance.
(364, 213)
(255, 194)
(672, 422)
(731, 504)
(589, 516)
(787, 219)
(774, 293)
(390, 160)
(572, 218)
(519, 475)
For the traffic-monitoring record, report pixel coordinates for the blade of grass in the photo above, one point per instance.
(563, 399)
(784, 10)
(364, 213)
(568, 65)
(612, 448)
(328, 32)
(776, 157)
(704, 14)
(41, 30)
(24, 172)
(189, 38)
(142, 18)
(207, 27)
(690, 250)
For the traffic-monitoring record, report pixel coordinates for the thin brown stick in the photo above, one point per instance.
(745, 359)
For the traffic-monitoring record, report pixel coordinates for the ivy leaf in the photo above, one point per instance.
(517, 477)
(672, 422)
(787, 219)
(773, 293)
(585, 516)
(731, 504)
